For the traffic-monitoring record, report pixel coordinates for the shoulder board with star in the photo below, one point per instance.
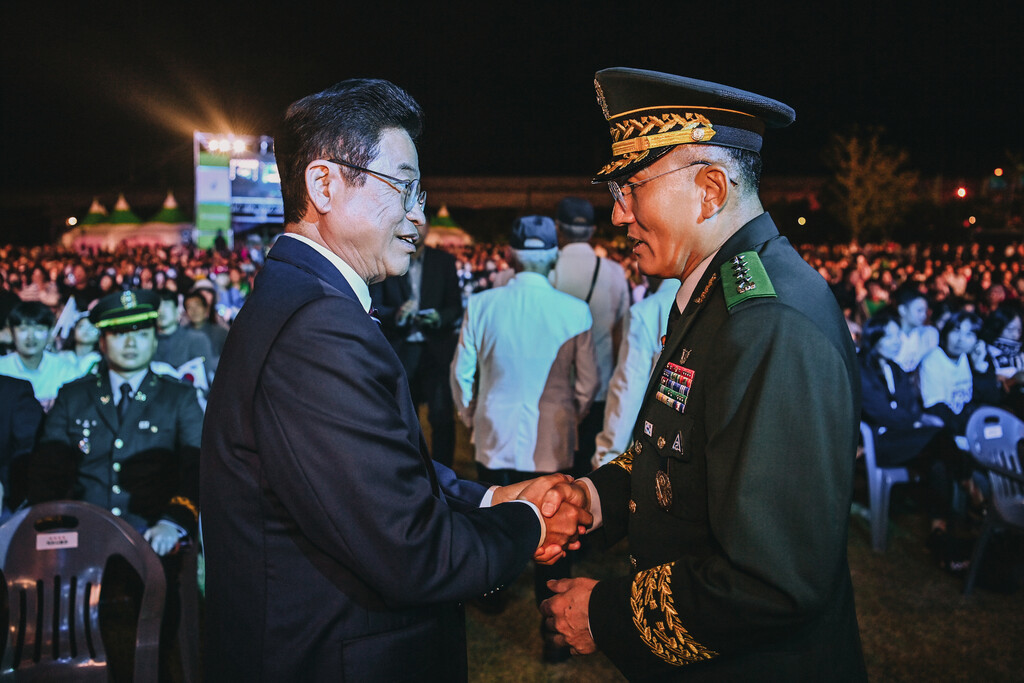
(743, 278)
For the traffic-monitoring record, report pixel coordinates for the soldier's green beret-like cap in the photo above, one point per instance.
(132, 309)
(650, 112)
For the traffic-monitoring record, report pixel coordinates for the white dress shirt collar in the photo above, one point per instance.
(135, 381)
(685, 292)
(354, 281)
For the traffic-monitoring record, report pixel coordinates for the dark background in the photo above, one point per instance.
(100, 95)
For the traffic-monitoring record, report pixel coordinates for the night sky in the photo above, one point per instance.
(106, 95)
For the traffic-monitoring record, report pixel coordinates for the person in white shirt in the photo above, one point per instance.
(31, 324)
(916, 336)
(641, 345)
(956, 377)
(524, 376)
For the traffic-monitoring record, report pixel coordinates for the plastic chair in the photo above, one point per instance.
(995, 437)
(880, 483)
(53, 557)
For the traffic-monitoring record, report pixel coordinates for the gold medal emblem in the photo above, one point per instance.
(663, 490)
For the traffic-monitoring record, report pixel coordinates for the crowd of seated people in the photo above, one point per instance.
(920, 386)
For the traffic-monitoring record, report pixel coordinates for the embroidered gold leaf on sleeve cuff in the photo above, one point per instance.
(656, 619)
(625, 461)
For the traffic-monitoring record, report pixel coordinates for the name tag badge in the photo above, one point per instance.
(993, 432)
(54, 541)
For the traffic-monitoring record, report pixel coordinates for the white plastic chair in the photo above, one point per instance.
(880, 483)
(995, 438)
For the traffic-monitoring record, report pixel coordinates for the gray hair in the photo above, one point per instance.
(536, 260)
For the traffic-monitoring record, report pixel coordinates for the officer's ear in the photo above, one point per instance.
(714, 181)
(319, 185)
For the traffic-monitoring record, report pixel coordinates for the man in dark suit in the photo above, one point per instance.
(418, 312)
(735, 491)
(336, 549)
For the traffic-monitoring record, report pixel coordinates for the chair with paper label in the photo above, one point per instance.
(53, 557)
(996, 438)
(880, 483)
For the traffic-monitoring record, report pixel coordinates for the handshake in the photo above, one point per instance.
(565, 506)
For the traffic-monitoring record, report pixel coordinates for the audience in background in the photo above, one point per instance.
(968, 291)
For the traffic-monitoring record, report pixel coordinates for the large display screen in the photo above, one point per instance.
(237, 184)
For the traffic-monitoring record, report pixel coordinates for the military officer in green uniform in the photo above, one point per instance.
(123, 437)
(735, 491)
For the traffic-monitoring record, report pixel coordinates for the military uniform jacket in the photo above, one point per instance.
(739, 544)
(144, 469)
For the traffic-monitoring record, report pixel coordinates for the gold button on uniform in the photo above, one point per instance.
(632, 507)
(661, 442)
(632, 562)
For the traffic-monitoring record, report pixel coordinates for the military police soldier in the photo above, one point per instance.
(123, 437)
(735, 491)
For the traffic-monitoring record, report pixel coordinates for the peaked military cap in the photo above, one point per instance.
(132, 309)
(650, 112)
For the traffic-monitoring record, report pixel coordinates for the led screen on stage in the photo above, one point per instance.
(237, 184)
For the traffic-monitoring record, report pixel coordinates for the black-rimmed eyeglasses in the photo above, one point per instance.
(409, 189)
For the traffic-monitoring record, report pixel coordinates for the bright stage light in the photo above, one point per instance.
(998, 172)
(961, 192)
(71, 221)
(239, 146)
(801, 221)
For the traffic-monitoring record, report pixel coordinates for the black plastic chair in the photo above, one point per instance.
(995, 437)
(53, 557)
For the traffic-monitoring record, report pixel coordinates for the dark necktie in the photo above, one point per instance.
(674, 314)
(126, 400)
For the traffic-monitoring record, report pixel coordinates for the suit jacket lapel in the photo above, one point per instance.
(305, 257)
(104, 400)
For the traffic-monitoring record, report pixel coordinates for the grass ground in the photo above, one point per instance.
(915, 623)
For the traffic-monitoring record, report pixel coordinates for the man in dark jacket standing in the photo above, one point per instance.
(336, 549)
(735, 491)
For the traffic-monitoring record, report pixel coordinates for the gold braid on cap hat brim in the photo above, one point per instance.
(632, 138)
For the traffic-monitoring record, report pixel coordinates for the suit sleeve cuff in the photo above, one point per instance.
(485, 502)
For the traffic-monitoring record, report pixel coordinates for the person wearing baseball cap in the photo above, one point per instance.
(735, 491)
(525, 374)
